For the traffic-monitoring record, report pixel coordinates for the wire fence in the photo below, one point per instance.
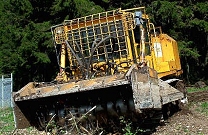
(6, 84)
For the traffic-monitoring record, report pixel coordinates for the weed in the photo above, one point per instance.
(128, 128)
(185, 129)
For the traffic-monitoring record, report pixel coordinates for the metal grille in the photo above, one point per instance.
(85, 33)
(6, 91)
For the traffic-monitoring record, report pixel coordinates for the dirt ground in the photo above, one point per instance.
(188, 121)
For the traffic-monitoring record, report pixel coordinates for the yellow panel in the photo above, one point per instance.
(165, 55)
(172, 65)
(163, 67)
(176, 54)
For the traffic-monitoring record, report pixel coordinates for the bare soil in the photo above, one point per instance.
(188, 121)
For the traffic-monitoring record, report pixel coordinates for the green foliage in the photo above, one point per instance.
(22, 8)
(62, 9)
(127, 127)
(71, 9)
(187, 51)
(86, 7)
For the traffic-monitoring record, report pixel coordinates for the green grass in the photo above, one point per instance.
(6, 120)
(7, 125)
(193, 89)
(204, 108)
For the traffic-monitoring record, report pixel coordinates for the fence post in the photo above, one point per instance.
(2, 92)
(6, 83)
(11, 89)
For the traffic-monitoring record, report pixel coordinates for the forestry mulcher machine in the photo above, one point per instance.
(112, 64)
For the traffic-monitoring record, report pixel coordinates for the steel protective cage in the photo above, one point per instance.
(110, 29)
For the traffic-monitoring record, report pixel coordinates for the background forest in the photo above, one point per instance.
(27, 51)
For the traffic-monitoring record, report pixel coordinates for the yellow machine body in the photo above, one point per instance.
(159, 51)
(114, 60)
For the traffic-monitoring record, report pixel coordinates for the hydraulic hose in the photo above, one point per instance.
(95, 47)
(80, 52)
(77, 57)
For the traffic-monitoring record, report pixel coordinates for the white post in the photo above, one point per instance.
(11, 89)
(2, 92)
